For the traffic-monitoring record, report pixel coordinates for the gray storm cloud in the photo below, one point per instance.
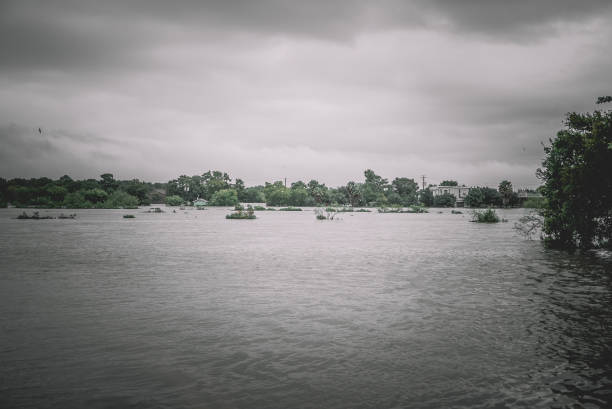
(272, 89)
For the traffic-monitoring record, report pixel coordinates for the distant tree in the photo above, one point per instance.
(76, 200)
(224, 197)
(444, 200)
(475, 197)
(119, 199)
(174, 200)
(449, 183)
(505, 190)
(577, 176)
(95, 195)
(254, 194)
(426, 197)
(406, 189)
(108, 182)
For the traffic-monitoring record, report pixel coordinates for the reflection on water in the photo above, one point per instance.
(188, 309)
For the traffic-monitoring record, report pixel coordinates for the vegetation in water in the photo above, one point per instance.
(129, 216)
(263, 208)
(155, 210)
(325, 214)
(485, 216)
(290, 209)
(577, 182)
(247, 213)
(34, 216)
(456, 212)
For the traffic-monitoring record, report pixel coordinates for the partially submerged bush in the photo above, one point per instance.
(529, 225)
(327, 214)
(242, 214)
(485, 216)
(129, 216)
(290, 209)
(35, 216)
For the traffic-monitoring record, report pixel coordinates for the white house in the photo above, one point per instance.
(460, 192)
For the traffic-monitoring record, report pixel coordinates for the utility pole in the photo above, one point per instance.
(423, 176)
(285, 182)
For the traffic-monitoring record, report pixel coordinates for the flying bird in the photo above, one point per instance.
(40, 131)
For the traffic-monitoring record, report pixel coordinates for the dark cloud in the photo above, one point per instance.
(273, 88)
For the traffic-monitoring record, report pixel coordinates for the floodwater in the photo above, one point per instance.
(190, 310)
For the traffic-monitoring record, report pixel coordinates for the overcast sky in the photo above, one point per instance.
(269, 89)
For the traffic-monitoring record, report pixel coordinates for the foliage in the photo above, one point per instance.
(444, 200)
(76, 200)
(119, 199)
(35, 216)
(328, 214)
(242, 214)
(426, 197)
(449, 183)
(66, 192)
(174, 200)
(485, 216)
(505, 190)
(129, 216)
(528, 225)
(577, 176)
(290, 209)
(224, 197)
(483, 196)
(534, 203)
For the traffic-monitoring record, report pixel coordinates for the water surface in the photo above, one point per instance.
(190, 310)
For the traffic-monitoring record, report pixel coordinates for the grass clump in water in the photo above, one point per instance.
(486, 216)
(242, 214)
(129, 216)
(290, 209)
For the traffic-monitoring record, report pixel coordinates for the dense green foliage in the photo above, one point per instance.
(68, 193)
(449, 183)
(483, 196)
(224, 197)
(577, 176)
(174, 200)
(485, 216)
(444, 200)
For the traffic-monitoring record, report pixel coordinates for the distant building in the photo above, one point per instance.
(460, 192)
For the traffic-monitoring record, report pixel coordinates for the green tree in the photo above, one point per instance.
(475, 197)
(505, 190)
(76, 200)
(426, 197)
(95, 195)
(407, 189)
(577, 176)
(108, 182)
(445, 200)
(174, 200)
(449, 183)
(119, 199)
(224, 197)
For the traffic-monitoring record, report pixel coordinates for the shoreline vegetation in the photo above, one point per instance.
(572, 208)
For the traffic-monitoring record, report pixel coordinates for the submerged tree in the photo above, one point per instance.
(577, 176)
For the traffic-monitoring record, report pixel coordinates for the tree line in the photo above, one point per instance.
(219, 189)
(65, 192)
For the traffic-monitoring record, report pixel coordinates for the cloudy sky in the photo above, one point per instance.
(267, 89)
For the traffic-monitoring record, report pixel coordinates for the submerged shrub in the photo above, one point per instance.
(485, 216)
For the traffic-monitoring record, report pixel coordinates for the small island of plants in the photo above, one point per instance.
(241, 213)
